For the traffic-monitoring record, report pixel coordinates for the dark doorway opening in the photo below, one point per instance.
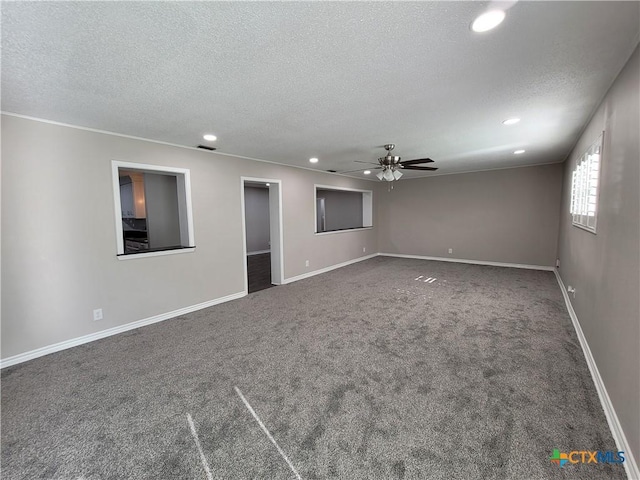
(259, 272)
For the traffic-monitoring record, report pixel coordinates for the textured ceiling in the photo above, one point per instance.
(287, 81)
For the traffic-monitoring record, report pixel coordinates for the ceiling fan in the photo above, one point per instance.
(392, 164)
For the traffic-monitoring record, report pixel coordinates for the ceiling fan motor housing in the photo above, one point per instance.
(389, 160)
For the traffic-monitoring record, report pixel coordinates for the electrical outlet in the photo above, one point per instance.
(306, 264)
(97, 314)
(572, 290)
(451, 250)
(364, 249)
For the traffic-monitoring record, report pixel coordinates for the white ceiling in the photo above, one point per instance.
(285, 81)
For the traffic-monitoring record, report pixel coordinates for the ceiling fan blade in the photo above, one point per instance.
(413, 162)
(370, 163)
(361, 170)
(411, 167)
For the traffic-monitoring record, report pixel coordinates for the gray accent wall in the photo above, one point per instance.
(59, 238)
(256, 208)
(163, 220)
(604, 267)
(342, 209)
(501, 216)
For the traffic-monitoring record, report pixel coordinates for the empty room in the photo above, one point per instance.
(312, 240)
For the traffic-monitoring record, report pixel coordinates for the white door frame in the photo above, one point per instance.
(275, 227)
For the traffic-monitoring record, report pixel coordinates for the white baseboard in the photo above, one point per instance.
(258, 252)
(473, 262)
(630, 465)
(39, 352)
(327, 269)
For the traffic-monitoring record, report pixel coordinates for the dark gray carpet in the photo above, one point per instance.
(363, 372)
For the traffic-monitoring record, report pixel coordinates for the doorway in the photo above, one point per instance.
(262, 233)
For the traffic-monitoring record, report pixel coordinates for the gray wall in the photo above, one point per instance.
(161, 200)
(501, 215)
(342, 209)
(59, 240)
(605, 267)
(256, 208)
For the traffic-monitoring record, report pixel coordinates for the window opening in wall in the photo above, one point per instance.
(585, 185)
(153, 208)
(339, 209)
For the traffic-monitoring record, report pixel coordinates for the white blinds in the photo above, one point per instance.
(584, 187)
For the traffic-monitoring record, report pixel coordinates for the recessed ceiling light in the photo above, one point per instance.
(488, 21)
(267, 184)
(518, 152)
(313, 160)
(209, 137)
(511, 121)
(367, 172)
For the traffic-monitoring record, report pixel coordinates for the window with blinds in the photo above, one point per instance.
(584, 187)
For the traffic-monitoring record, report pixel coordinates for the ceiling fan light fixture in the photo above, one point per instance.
(392, 164)
(488, 21)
